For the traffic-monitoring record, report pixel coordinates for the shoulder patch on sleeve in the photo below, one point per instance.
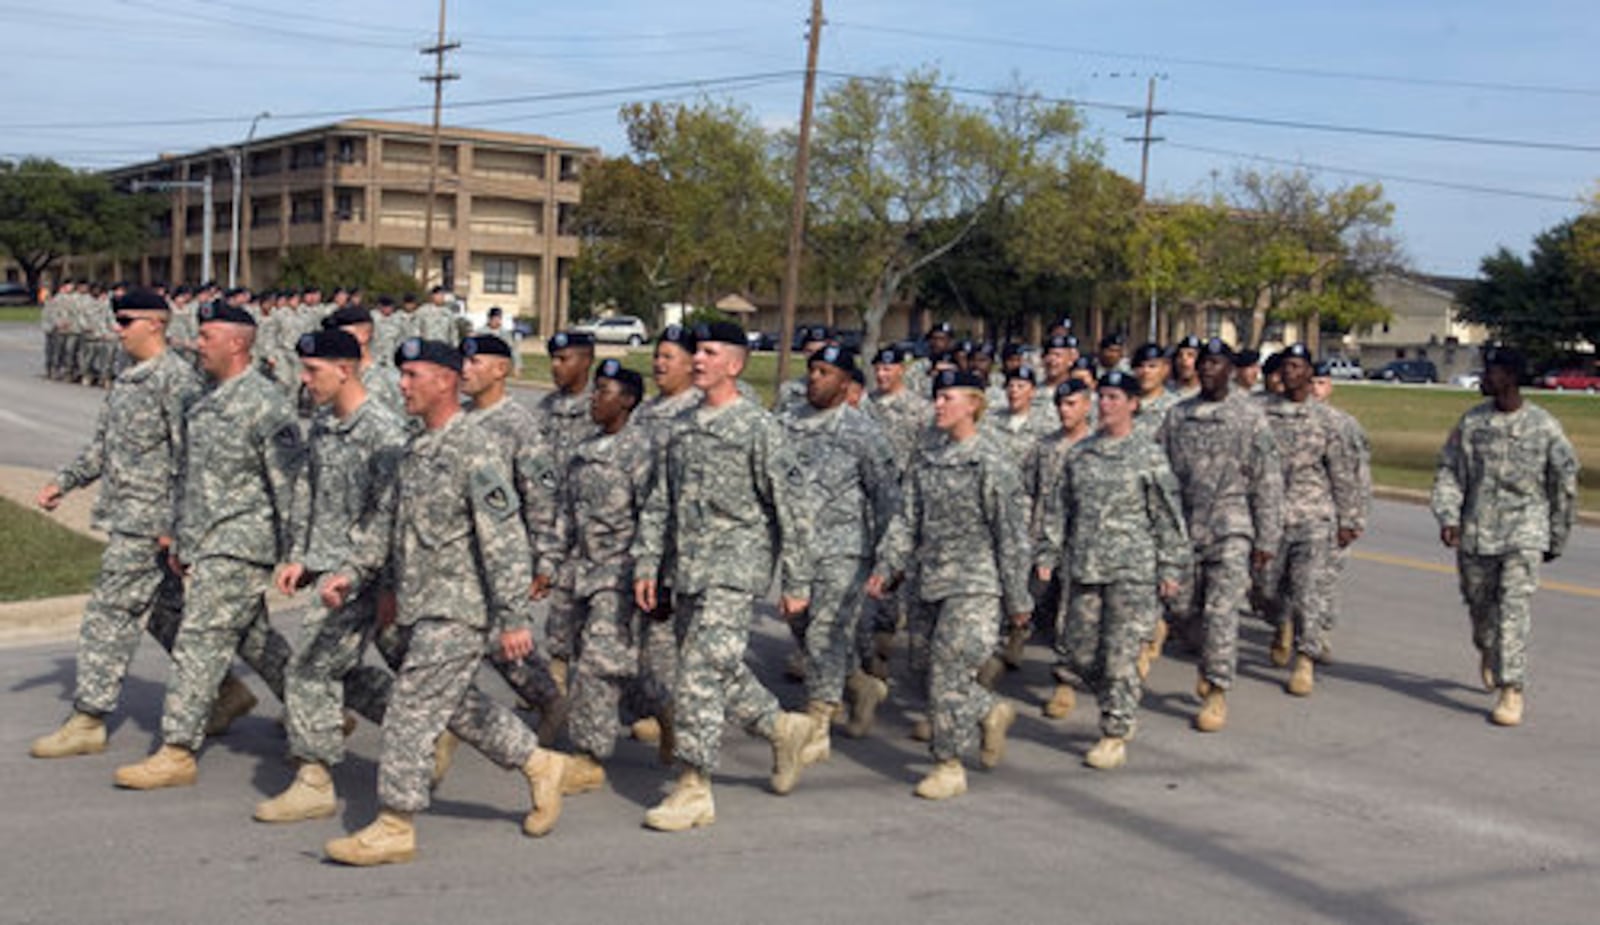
(287, 437)
(493, 495)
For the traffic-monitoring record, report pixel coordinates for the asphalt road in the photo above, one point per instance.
(1385, 797)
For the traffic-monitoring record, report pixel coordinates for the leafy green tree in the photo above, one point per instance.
(49, 211)
(350, 267)
(1547, 302)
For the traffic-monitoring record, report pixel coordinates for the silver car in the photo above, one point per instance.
(623, 329)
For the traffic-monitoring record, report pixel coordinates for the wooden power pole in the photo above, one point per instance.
(797, 212)
(438, 78)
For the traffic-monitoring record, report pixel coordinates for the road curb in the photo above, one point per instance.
(1419, 497)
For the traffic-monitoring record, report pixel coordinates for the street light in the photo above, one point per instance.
(236, 164)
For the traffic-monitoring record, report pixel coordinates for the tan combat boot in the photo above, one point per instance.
(1486, 670)
(1110, 752)
(995, 726)
(309, 796)
(1202, 687)
(1302, 679)
(866, 694)
(882, 649)
(1213, 713)
(689, 806)
(390, 839)
(170, 766)
(233, 701)
(558, 673)
(647, 730)
(1282, 649)
(553, 719)
(790, 733)
(922, 729)
(947, 779)
(990, 671)
(1016, 646)
(584, 774)
(820, 746)
(545, 771)
(444, 755)
(1061, 702)
(1508, 709)
(81, 734)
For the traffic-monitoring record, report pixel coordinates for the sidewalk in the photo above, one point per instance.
(49, 619)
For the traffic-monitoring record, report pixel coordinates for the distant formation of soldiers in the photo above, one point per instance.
(955, 509)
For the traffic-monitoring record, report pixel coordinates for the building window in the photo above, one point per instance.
(447, 271)
(406, 262)
(345, 207)
(500, 275)
(569, 168)
(347, 151)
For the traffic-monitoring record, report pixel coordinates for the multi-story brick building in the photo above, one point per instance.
(500, 217)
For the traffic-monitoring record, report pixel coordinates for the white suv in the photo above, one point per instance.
(623, 329)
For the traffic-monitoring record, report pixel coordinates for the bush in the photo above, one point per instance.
(372, 270)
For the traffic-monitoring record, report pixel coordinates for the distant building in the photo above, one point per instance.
(501, 215)
(1424, 323)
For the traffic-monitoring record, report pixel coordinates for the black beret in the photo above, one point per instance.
(1296, 352)
(1322, 369)
(437, 289)
(312, 288)
(888, 356)
(1023, 372)
(1011, 350)
(858, 377)
(836, 356)
(340, 290)
(1112, 340)
(183, 290)
(1189, 341)
(223, 312)
(956, 379)
(1063, 322)
(943, 356)
(815, 333)
(139, 299)
(1273, 364)
(985, 349)
(561, 340)
(613, 369)
(346, 316)
(721, 332)
(1061, 341)
(678, 334)
(437, 352)
(1246, 357)
(1070, 388)
(329, 344)
(386, 300)
(963, 346)
(1217, 347)
(1147, 352)
(941, 327)
(497, 312)
(1117, 379)
(487, 344)
(1505, 358)
(235, 292)
(1084, 363)
(409, 298)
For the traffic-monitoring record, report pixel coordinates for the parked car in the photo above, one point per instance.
(1408, 371)
(623, 329)
(1467, 380)
(1570, 380)
(1344, 368)
(15, 294)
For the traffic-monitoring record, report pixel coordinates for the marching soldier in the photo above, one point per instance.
(1151, 367)
(564, 422)
(792, 393)
(1042, 480)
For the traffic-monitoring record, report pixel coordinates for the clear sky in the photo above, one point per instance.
(91, 81)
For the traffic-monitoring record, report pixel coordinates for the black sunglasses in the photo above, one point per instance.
(125, 320)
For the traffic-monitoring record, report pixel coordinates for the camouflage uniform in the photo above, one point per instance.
(906, 417)
(1321, 495)
(351, 464)
(849, 491)
(963, 522)
(791, 396)
(385, 337)
(1360, 450)
(51, 318)
(1508, 481)
(449, 530)
(244, 455)
(1152, 411)
(100, 343)
(74, 317)
(721, 505)
(1041, 480)
(383, 385)
(1227, 467)
(564, 422)
(1116, 532)
(1017, 434)
(183, 329)
(435, 322)
(135, 454)
(603, 492)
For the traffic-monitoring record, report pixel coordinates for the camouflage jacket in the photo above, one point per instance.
(963, 523)
(535, 476)
(1321, 483)
(244, 454)
(722, 489)
(385, 338)
(1359, 447)
(1509, 481)
(602, 494)
(661, 417)
(848, 486)
(435, 322)
(1227, 466)
(564, 422)
(903, 416)
(1042, 473)
(1152, 411)
(350, 465)
(383, 385)
(1017, 434)
(450, 524)
(791, 396)
(137, 448)
(1116, 515)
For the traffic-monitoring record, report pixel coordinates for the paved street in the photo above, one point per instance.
(1385, 797)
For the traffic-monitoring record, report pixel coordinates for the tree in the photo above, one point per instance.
(350, 267)
(894, 161)
(49, 211)
(1547, 302)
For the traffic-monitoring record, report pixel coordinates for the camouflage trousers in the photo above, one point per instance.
(433, 692)
(881, 616)
(826, 630)
(714, 685)
(225, 610)
(1105, 625)
(54, 349)
(561, 622)
(70, 371)
(965, 632)
(1211, 605)
(1333, 581)
(1498, 591)
(1295, 583)
(658, 661)
(325, 673)
(133, 580)
(530, 678)
(607, 666)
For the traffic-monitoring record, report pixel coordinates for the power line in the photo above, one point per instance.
(1287, 70)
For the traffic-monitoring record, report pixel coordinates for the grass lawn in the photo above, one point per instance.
(19, 313)
(42, 559)
(1408, 424)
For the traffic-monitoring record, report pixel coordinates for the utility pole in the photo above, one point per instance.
(1145, 140)
(797, 212)
(208, 211)
(438, 79)
(236, 163)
